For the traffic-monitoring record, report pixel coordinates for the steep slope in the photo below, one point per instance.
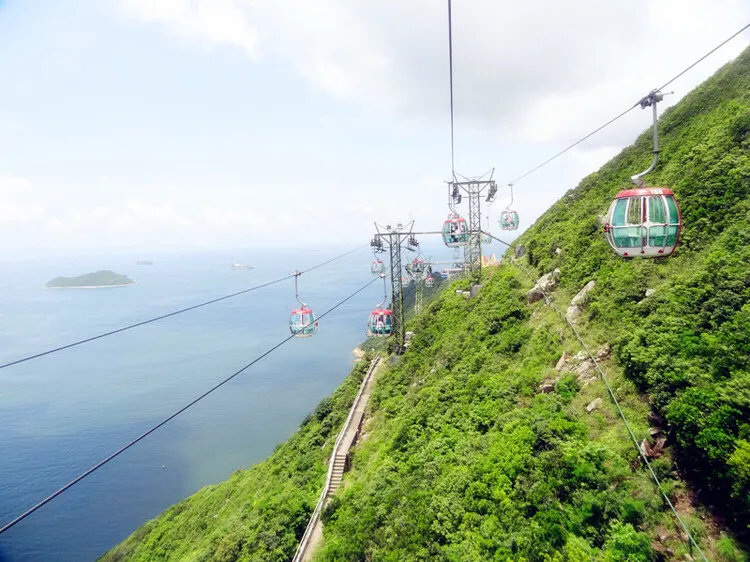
(466, 461)
(478, 448)
(689, 346)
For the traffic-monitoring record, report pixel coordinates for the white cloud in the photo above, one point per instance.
(16, 207)
(530, 78)
(14, 185)
(548, 69)
(229, 219)
(212, 22)
(12, 213)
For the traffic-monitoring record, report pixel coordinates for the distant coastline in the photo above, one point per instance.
(91, 286)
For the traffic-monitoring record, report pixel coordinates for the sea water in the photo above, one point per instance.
(62, 413)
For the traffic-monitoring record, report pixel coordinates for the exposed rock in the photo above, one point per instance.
(578, 302)
(573, 313)
(650, 293)
(534, 295)
(604, 352)
(564, 358)
(582, 295)
(433, 371)
(660, 548)
(580, 356)
(593, 405)
(586, 380)
(520, 250)
(654, 431)
(653, 451)
(546, 387)
(558, 251)
(586, 372)
(546, 283)
(585, 367)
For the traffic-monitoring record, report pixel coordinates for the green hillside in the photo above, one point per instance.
(482, 444)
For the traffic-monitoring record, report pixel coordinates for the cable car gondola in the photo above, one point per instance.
(509, 220)
(302, 321)
(509, 217)
(416, 267)
(455, 231)
(429, 281)
(380, 321)
(405, 281)
(644, 221)
(377, 267)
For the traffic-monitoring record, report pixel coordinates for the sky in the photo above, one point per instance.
(178, 124)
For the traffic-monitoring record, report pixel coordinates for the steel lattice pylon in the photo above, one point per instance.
(397, 289)
(474, 258)
(474, 188)
(395, 238)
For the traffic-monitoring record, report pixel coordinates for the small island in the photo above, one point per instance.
(95, 280)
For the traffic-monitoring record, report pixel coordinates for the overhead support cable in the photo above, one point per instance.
(450, 72)
(170, 314)
(709, 53)
(629, 109)
(169, 418)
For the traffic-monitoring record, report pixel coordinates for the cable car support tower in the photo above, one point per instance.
(395, 239)
(474, 188)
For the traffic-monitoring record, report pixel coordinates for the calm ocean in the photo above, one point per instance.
(62, 413)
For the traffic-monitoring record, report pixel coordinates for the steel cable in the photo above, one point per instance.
(170, 314)
(148, 432)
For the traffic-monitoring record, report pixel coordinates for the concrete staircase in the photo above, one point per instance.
(339, 465)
